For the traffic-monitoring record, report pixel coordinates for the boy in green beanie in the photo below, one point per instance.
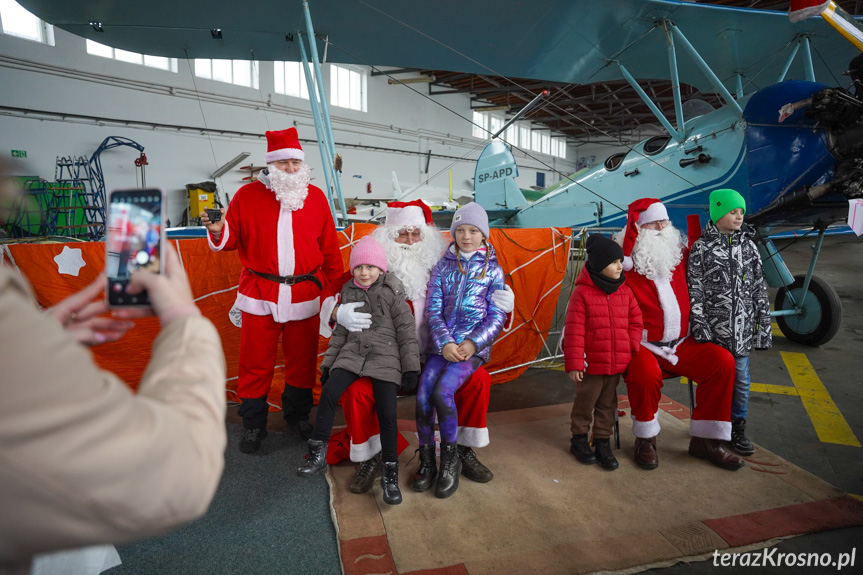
(728, 297)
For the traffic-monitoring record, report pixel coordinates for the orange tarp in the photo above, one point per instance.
(533, 260)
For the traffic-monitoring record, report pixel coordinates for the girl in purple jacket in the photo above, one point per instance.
(463, 323)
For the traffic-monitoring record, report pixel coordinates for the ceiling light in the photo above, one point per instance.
(492, 109)
(419, 80)
(216, 33)
(97, 26)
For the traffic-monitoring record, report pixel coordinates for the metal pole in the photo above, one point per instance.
(816, 250)
(656, 111)
(788, 63)
(705, 69)
(675, 83)
(313, 48)
(316, 113)
(739, 78)
(807, 59)
(530, 106)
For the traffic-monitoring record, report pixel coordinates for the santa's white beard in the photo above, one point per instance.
(290, 189)
(657, 252)
(412, 264)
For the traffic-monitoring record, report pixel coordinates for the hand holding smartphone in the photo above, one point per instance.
(136, 228)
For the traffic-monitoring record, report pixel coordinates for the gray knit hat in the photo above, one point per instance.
(470, 214)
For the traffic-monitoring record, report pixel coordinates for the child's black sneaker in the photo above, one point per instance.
(739, 442)
(252, 438)
(581, 449)
(604, 454)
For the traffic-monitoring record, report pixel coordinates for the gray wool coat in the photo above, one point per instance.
(388, 348)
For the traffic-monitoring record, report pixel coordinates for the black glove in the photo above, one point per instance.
(410, 379)
(325, 375)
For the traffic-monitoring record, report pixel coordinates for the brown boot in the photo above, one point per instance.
(714, 451)
(645, 452)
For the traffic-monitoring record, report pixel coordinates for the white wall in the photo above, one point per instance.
(121, 99)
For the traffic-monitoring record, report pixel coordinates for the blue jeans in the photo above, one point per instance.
(740, 397)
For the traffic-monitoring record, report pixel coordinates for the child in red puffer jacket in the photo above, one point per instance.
(603, 332)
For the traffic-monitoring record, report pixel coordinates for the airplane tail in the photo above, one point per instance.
(494, 182)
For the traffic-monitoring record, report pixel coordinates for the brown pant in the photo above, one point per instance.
(596, 399)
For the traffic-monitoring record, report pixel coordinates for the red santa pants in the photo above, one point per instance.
(706, 363)
(471, 400)
(259, 344)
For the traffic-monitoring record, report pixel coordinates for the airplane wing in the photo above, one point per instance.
(554, 40)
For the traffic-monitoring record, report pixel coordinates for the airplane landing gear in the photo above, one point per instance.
(817, 311)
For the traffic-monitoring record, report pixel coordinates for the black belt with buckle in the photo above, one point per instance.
(290, 280)
(664, 343)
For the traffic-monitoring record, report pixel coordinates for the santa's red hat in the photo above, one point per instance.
(641, 212)
(406, 214)
(802, 9)
(284, 145)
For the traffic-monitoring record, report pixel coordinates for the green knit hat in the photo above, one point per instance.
(723, 201)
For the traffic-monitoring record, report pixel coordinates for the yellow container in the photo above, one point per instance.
(199, 200)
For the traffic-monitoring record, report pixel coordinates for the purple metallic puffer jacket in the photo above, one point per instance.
(458, 306)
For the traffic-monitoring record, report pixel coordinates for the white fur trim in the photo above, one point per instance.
(646, 429)
(710, 429)
(281, 312)
(627, 263)
(226, 232)
(666, 353)
(670, 309)
(366, 450)
(472, 436)
(406, 216)
(326, 314)
(285, 154)
(285, 241)
(654, 212)
(808, 12)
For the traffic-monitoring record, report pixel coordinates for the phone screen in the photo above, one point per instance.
(134, 241)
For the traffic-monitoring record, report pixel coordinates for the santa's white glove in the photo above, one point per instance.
(504, 299)
(351, 319)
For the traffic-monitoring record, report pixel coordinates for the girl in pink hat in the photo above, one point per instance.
(386, 352)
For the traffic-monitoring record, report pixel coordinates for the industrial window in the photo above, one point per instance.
(480, 125)
(348, 88)
(291, 80)
(558, 147)
(511, 135)
(96, 49)
(524, 136)
(16, 21)
(239, 72)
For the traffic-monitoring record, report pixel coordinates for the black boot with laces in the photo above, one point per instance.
(252, 437)
(427, 470)
(604, 454)
(739, 442)
(450, 470)
(364, 477)
(316, 460)
(580, 448)
(390, 482)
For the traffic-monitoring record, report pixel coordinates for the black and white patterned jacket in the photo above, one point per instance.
(727, 291)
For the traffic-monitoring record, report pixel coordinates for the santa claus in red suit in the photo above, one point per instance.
(283, 229)
(655, 265)
(413, 246)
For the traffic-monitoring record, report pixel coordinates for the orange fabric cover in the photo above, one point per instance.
(533, 261)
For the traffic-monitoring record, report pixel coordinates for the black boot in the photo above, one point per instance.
(316, 460)
(427, 470)
(739, 442)
(390, 482)
(471, 467)
(450, 469)
(252, 438)
(579, 447)
(364, 478)
(604, 454)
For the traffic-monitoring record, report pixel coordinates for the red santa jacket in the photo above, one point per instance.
(607, 327)
(664, 303)
(277, 241)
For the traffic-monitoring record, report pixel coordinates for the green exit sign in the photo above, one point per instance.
(19, 153)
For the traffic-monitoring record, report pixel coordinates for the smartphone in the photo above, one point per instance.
(136, 233)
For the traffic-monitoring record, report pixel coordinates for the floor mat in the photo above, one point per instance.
(546, 513)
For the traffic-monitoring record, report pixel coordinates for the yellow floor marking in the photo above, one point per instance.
(770, 388)
(776, 331)
(855, 496)
(828, 421)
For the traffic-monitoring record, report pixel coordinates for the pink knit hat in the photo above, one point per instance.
(368, 251)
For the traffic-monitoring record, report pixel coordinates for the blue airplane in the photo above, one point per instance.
(798, 172)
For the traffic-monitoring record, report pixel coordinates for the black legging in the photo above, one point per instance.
(385, 400)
